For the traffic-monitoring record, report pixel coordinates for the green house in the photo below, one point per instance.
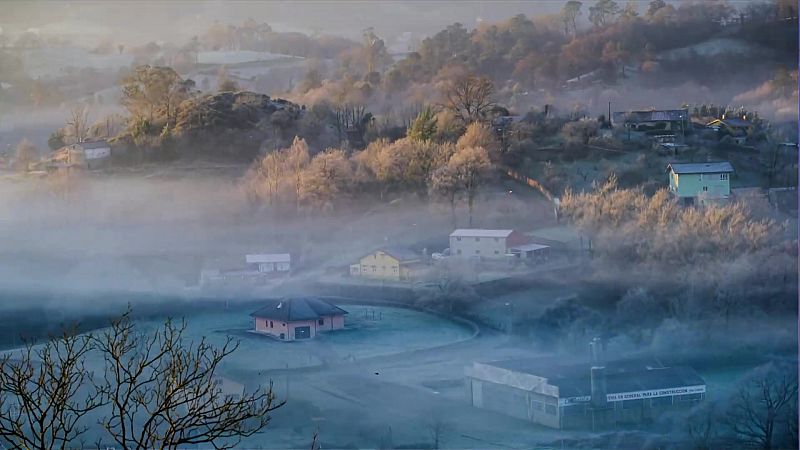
(700, 181)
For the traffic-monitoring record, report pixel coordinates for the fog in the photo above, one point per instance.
(585, 298)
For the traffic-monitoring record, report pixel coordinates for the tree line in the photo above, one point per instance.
(417, 165)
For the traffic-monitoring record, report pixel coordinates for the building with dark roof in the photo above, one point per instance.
(297, 318)
(591, 395)
(667, 120)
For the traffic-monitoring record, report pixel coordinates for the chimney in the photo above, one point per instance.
(598, 373)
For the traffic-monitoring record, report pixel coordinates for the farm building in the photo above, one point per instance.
(480, 243)
(389, 263)
(665, 121)
(269, 262)
(531, 252)
(561, 239)
(297, 318)
(87, 155)
(691, 182)
(594, 395)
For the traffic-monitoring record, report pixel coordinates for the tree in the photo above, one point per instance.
(45, 394)
(152, 89)
(25, 154)
(470, 167)
(444, 184)
(469, 97)
(602, 12)
(78, 123)
(297, 159)
(629, 12)
(224, 82)
(480, 135)
(570, 11)
(164, 392)
(325, 179)
(56, 140)
(761, 409)
(375, 51)
(424, 126)
(654, 6)
(702, 426)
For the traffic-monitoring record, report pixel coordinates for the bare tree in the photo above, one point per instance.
(469, 97)
(703, 426)
(164, 393)
(45, 394)
(762, 407)
(78, 123)
(437, 428)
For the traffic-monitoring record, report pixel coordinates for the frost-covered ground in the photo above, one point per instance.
(369, 331)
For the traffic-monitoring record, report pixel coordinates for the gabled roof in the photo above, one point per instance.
(709, 167)
(733, 123)
(476, 232)
(268, 258)
(400, 253)
(297, 308)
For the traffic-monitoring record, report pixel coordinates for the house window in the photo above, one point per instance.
(271, 324)
(283, 336)
(705, 188)
(723, 176)
(458, 238)
(322, 321)
(477, 252)
(394, 270)
(496, 252)
(374, 269)
(537, 405)
(550, 409)
(477, 239)
(458, 252)
(497, 239)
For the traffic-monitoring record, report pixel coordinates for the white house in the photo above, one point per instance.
(270, 262)
(482, 243)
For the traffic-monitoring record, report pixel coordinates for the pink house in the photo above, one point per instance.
(297, 318)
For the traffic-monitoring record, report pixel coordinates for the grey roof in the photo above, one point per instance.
(401, 253)
(733, 122)
(96, 144)
(651, 116)
(621, 376)
(298, 308)
(479, 232)
(709, 167)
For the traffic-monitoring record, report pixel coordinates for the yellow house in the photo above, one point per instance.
(391, 263)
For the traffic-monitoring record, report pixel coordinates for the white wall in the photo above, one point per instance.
(485, 247)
